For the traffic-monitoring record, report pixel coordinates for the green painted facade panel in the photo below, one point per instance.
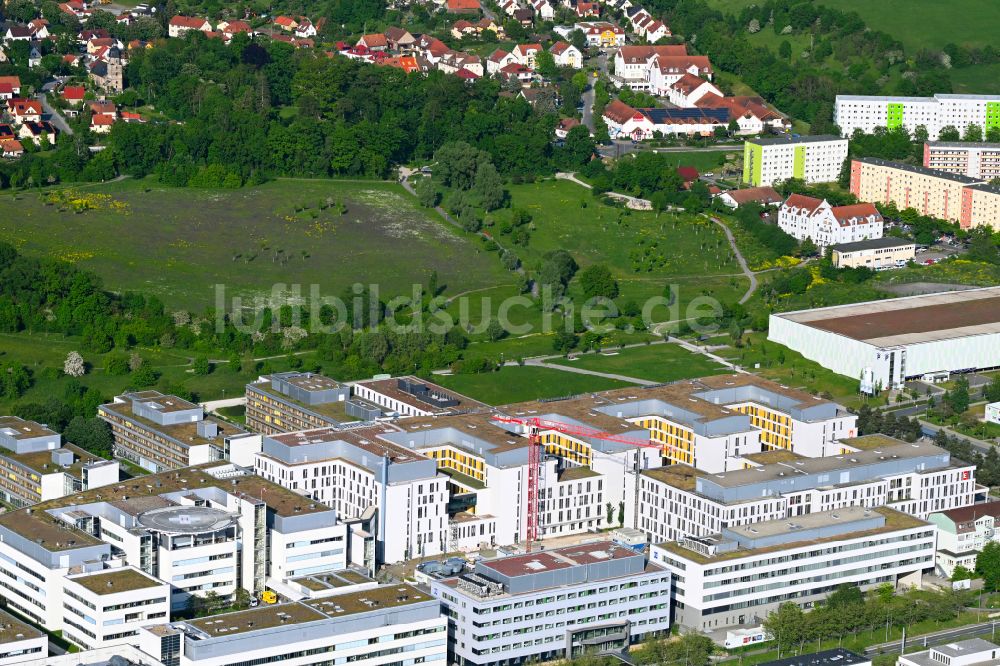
(992, 115)
(753, 158)
(894, 115)
(799, 163)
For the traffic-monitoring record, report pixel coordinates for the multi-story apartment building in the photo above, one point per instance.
(20, 643)
(807, 217)
(396, 493)
(410, 396)
(213, 528)
(814, 159)
(163, 432)
(679, 501)
(108, 608)
(290, 401)
(885, 252)
(555, 604)
(389, 624)
(975, 160)
(36, 466)
(739, 575)
(940, 194)
(963, 533)
(865, 113)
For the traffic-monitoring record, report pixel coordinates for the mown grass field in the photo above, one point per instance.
(520, 383)
(658, 363)
(179, 243)
(917, 23)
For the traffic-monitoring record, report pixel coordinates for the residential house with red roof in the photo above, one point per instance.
(526, 54)
(564, 126)
(24, 110)
(807, 217)
(498, 60)
(588, 9)
(688, 89)
(400, 39)
(14, 82)
(566, 55)
(11, 148)
(74, 95)
(179, 25)
(752, 115)
(101, 123)
(375, 41)
(765, 196)
(601, 33)
(463, 6)
(516, 71)
(461, 28)
(286, 23)
(543, 9)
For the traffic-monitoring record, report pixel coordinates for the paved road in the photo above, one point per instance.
(739, 257)
(50, 111)
(53, 115)
(589, 94)
(624, 146)
(215, 405)
(581, 371)
(938, 637)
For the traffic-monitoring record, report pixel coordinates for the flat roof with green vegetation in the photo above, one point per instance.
(116, 581)
(336, 410)
(13, 629)
(462, 479)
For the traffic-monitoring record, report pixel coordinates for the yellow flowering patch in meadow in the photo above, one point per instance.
(80, 202)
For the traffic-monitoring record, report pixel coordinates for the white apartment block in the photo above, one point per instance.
(410, 396)
(739, 575)
(980, 161)
(919, 479)
(395, 497)
(865, 113)
(814, 159)
(35, 466)
(20, 643)
(963, 533)
(199, 530)
(807, 217)
(555, 604)
(107, 608)
(389, 624)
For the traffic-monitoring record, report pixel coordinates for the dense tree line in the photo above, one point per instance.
(849, 611)
(805, 88)
(239, 113)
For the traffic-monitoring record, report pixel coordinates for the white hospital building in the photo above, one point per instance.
(555, 604)
(739, 575)
(679, 501)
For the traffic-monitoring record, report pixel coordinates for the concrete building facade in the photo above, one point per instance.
(865, 113)
(883, 343)
(877, 254)
(556, 604)
(814, 159)
(975, 160)
(741, 574)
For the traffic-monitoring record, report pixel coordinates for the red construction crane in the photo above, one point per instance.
(535, 425)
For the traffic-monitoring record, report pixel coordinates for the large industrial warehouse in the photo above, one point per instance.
(883, 343)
